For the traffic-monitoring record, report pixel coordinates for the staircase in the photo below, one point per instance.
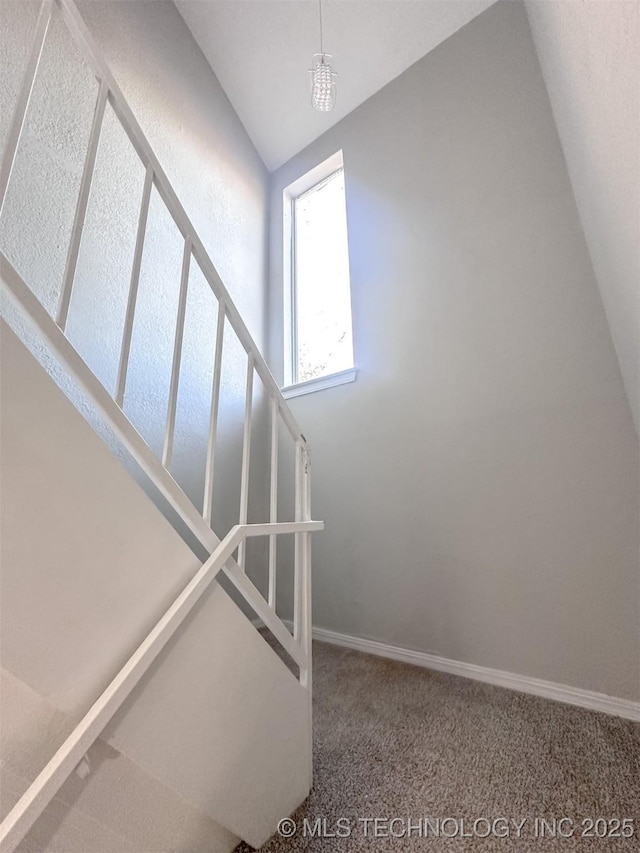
(142, 707)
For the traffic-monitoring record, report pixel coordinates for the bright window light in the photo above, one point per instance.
(322, 339)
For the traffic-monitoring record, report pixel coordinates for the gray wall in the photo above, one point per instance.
(479, 481)
(590, 58)
(218, 176)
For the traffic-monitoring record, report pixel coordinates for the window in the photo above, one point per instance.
(318, 329)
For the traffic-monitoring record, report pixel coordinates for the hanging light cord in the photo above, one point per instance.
(320, 15)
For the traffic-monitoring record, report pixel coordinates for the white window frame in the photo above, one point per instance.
(292, 388)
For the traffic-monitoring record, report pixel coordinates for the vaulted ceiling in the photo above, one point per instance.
(260, 51)
(589, 52)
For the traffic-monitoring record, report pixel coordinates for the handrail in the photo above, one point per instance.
(46, 785)
(24, 96)
(32, 309)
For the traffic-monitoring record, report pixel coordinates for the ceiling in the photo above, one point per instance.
(260, 51)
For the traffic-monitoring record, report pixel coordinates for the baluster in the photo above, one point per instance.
(246, 455)
(22, 104)
(207, 503)
(273, 501)
(177, 357)
(81, 206)
(298, 545)
(133, 288)
(306, 627)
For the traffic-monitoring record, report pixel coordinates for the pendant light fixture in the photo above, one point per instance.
(323, 86)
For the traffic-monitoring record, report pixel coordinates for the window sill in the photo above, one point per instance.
(319, 384)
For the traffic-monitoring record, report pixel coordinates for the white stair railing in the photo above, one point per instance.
(298, 645)
(33, 802)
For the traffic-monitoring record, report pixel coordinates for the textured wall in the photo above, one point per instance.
(218, 176)
(479, 481)
(590, 59)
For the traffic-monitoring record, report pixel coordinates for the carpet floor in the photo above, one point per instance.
(454, 760)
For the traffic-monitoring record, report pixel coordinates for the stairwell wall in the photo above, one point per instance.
(479, 480)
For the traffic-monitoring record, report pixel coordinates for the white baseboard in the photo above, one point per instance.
(625, 708)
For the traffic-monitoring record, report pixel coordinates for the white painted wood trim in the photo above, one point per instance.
(246, 459)
(626, 708)
(24, 96)
(319, 384)
(96, 61)
(64, 300)
(207, 501)
(132, 298)
(273, 501)
(250, 531)
(49, 781)
(33, 311)
(167, 450)
(319, 173)
(31, 308)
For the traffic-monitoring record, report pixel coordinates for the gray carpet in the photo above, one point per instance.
(397, 741)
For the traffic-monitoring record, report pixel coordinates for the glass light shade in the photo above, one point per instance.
(323, 86)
